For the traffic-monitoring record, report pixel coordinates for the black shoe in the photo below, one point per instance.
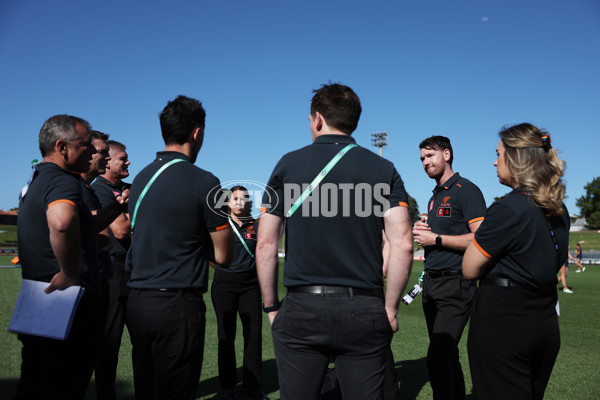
(230, 393)
(257, 394)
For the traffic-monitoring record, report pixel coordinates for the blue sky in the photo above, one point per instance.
(462, 69)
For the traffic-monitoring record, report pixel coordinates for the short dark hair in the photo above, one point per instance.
(238, 187)
(99, 135)
(59, 127)
(179, 118)
(339, 105)
(438, 143)
(113, 144)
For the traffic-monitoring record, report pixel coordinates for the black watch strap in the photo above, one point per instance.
(272, 308)
(438, 240)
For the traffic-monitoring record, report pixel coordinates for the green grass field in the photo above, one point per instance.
(590, 240)
(576, 375)
(8, 235)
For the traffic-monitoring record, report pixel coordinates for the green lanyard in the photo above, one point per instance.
(319, 178)
(139, 200)
(240, 237)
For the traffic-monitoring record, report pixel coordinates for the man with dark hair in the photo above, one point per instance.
(57, 244)
(177, 229)
(334, 307)
(456, 210)
(97, 167)
(108, 187)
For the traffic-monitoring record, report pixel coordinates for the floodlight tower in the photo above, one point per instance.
(379, 140)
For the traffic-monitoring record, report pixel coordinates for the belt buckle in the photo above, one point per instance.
(327, 290)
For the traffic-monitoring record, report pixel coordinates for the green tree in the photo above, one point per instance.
(589, 204)
(413, 209)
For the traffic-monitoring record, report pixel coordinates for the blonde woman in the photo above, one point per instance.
(516, 252)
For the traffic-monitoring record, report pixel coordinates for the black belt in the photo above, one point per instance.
(336, 290)
(173, 290)
(502, 282)
(441, 274)
(507, 283)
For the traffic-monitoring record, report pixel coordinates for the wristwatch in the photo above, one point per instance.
(438, 240)
(272, 308)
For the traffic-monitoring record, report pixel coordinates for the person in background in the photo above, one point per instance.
(108, 187)
(455, 212)
(562, 276)
(105, 238)
(516, 252)
(234, 290)
(577, 258)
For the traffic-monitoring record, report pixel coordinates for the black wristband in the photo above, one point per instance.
(438, 240)
(272, 308)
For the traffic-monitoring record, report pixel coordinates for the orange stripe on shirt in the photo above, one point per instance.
(481, 250)
(62, 201)
(476, 220)
(403, 204)
(220, 228)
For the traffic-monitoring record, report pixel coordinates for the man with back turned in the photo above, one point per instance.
(177, 228)
(335, 307)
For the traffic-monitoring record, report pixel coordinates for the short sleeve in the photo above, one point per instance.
(214, 217)
(63, 189)
(90, 198)
(272, 201)
(497, 230)
(398, 195)
(474, 205)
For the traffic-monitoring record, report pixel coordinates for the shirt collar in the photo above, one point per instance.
(448, 184)
(171, 155)
(334, 139)
(105, 181)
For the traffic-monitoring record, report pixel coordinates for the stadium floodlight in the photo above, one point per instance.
(379, 140)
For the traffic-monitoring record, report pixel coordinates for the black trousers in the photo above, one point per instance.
(446, 304)
(513, 343)
(391, 391)
(57, 369)
(309, 329)
(108, 356)
(167, 334)
(233, 293)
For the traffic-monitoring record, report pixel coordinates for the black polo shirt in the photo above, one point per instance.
(516, 237)
(170, 243)
(107, 193)
(334, 238)
(92, 202)
(89, 196)
(242, 260)
(51, 185)
(453, 207)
